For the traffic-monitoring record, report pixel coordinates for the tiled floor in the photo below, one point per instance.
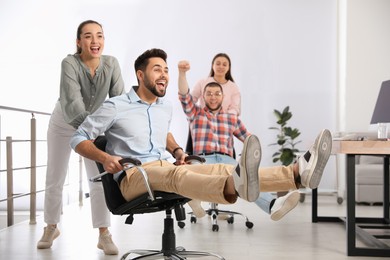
(293, 237)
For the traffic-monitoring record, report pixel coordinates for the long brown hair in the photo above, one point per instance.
(80, 29)
(228, 75)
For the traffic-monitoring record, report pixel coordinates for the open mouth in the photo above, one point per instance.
(95, 50)
(160, 85)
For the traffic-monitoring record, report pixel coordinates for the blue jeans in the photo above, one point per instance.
(219, 158)
(265, 198)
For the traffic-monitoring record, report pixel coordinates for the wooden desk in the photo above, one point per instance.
(359, 226)
(361, 147)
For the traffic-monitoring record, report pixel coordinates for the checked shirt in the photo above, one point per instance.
(212, 133)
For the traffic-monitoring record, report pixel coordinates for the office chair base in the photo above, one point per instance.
(169, 249)
(213, 212)
(179, 253)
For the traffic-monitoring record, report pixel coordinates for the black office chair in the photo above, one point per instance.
(152, 201)
(213, 210)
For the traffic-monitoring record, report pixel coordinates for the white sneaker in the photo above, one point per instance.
(313, 162)
(246, 176)
(197, 210)
(106, 244)
(49, 234)
(284, 205)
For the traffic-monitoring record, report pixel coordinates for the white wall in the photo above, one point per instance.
(364, 63)
(368, 59)
(283, 53)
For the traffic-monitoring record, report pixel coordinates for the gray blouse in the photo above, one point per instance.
(80, 94)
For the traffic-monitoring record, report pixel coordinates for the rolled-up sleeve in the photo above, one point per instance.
(78, 137)
(95, 124)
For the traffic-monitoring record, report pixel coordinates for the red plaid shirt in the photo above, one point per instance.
(212, 132)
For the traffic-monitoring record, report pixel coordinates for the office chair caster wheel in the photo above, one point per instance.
(215, 227)
(249, 224)
(302, 197)
(180, 249)
(193, 219)
(181, 224)
(230, 220)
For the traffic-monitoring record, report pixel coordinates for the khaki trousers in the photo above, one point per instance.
(204, 182)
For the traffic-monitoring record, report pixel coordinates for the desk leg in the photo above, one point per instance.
(351, 212)
(314, 206)
(386, 193)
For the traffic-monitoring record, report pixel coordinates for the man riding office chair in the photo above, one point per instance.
(149, 202)
(211, 137)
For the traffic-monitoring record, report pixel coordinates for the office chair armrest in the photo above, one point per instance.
(194, 158)
(127, 163)
(98, 177)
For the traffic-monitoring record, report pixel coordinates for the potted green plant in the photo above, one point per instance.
(285, 138)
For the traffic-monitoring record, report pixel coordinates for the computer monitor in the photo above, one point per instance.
(382, 107)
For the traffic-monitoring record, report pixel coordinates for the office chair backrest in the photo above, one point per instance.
(189, 146)
(113, 195)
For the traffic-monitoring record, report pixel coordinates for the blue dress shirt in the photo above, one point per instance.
(133, 128)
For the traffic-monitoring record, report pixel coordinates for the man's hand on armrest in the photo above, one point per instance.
(180, 156)
(112, 165)
(89, 150)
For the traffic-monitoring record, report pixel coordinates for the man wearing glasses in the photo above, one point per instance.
(212, 131)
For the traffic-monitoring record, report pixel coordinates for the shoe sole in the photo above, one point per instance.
(56, 234)
(252, 155)
(290, 203)
(114, 252)
(324, 148)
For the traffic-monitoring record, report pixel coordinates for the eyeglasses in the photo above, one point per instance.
(210, 94)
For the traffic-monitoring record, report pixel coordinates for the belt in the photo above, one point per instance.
(215, 153)
(121, 176)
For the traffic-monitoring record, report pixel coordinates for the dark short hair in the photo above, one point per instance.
(80, 29)
(143, 60)
(213, 84)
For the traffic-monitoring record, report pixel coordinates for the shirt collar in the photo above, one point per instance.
(133, 96)
(208, 111)
(98, 69)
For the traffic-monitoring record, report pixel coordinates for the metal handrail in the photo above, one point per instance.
(23, 168)
(24, 110)
(33, 191)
